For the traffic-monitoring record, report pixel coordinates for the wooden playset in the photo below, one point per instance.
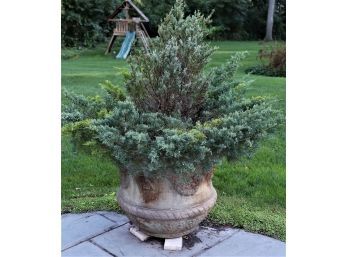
(131, 27)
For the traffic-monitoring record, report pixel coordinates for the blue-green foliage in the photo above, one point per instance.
(174, 117)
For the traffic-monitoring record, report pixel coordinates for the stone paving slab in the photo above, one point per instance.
(76, 228)
(247, 244)
(122, 243)
(85, 249)
(107, 234)
(70, 217)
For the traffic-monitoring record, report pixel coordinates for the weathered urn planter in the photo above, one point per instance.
(164, 209)
(170, 125)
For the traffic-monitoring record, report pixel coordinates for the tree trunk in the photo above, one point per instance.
(269, 25)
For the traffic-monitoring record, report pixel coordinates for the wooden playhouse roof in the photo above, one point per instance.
(132, 5)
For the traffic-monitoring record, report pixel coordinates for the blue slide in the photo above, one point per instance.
(126, 45)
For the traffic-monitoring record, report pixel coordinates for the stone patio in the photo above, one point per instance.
(99, 234)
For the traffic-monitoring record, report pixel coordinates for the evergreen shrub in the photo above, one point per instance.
(172, 117)
(272, 62)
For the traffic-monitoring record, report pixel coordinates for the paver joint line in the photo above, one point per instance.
(102, 248)
(107, 218)
(105, 231)
(217, 243)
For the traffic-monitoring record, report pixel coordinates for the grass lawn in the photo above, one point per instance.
(251, 192)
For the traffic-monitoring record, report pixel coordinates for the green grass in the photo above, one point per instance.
(251, 192)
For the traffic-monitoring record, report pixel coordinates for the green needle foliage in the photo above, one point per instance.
(173, 118)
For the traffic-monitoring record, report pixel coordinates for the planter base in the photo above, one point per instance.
(167, 223)
(159, 210)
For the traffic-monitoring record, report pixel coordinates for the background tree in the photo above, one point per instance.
(232, 19)
(269, 24)
(84, 22)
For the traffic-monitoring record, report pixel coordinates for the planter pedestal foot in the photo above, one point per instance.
(173, 244)
(140, 235)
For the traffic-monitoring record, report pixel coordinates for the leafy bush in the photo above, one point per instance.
(273, 62)
(173, 118)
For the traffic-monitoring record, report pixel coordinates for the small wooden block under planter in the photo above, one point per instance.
(140, 235)
(171, 244)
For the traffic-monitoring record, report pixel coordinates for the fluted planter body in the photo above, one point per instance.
(163, 208)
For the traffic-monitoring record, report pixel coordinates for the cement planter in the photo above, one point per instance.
(164, 209)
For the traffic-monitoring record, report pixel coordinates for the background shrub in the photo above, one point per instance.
(273, 61)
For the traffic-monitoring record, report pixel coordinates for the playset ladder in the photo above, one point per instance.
(144, 39)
